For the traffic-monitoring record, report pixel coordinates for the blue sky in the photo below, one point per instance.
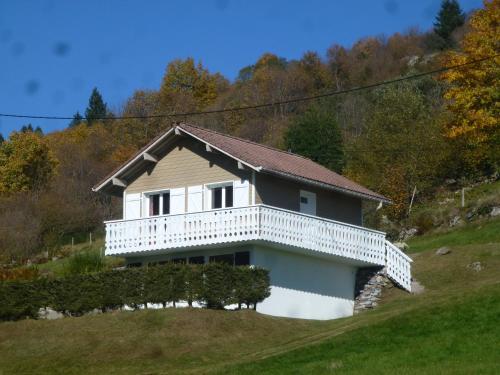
(52, 53)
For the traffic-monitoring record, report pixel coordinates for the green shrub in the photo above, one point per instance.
(218, 285)
(259, 288)
(110, 286)
(85, 262)
(214, 285)
(132, 287)
(424, 222)
(193, 279)
(242, 286)
(19, 299)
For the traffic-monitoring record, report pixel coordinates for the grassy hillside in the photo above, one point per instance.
(480, 233)
(59, 266)
(451, 328)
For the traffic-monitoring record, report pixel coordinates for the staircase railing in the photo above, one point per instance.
(398, 266)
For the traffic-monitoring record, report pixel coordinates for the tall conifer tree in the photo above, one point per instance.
(450, 17)
(77, 119)
(96, 109)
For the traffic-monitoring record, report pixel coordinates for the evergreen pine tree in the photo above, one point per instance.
(450, 17)
(97, 108)
(2, 139)
(77, 120)
(27, 128)
(316, 135)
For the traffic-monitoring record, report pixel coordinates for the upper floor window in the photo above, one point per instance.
(159, 203)
(221, 196)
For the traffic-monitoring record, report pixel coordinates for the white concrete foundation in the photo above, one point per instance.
(302, 286)
(305, 287)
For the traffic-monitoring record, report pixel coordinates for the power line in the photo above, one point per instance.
(264, 105)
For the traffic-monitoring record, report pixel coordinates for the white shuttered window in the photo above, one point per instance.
(241, 193)
(195, 198)
(132, 206)
(177, 201)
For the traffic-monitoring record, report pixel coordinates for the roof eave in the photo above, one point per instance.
(132, 161)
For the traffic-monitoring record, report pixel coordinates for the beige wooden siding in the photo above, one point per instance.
(283, 193)
(188, 164)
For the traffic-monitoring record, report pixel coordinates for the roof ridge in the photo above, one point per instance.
(273, 149)
(248, 141)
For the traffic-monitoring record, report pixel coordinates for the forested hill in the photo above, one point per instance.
(414, 133)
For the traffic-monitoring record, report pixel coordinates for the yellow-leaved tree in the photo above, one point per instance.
(188, 86)
(26, 162)
(474, 91)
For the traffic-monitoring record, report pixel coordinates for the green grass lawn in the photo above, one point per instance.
(478, 233)
(452, 328)
(59, 266)
(457, 336)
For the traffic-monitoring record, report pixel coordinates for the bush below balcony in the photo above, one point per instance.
(213, 285)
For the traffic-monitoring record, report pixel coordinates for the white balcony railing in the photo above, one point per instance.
(257, 223)
(398, 266)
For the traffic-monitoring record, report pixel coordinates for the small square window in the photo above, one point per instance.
(303, 200)
(222, 196)
(225, 258)
(242, 258)
(179, 260)
(197, 260)
(134, 265)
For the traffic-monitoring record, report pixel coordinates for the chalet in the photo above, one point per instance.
(194, 195)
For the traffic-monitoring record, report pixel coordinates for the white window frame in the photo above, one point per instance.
(209, 187)
(145, 199)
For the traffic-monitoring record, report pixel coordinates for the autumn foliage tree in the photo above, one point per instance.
(401, 146)
(26, 162)
(474, 92)
(188, 86)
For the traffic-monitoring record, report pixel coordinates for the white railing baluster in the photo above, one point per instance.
(398, 266)
(259, 222)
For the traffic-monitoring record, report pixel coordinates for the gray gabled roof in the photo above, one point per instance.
(255, 156)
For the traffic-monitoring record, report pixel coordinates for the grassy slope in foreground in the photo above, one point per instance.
(452, 328)
(459, 336)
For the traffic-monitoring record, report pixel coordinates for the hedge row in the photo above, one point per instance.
(213, 285)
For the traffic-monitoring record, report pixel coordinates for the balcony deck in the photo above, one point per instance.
(258, 223)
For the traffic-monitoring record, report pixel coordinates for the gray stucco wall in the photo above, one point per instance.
(278, 192)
